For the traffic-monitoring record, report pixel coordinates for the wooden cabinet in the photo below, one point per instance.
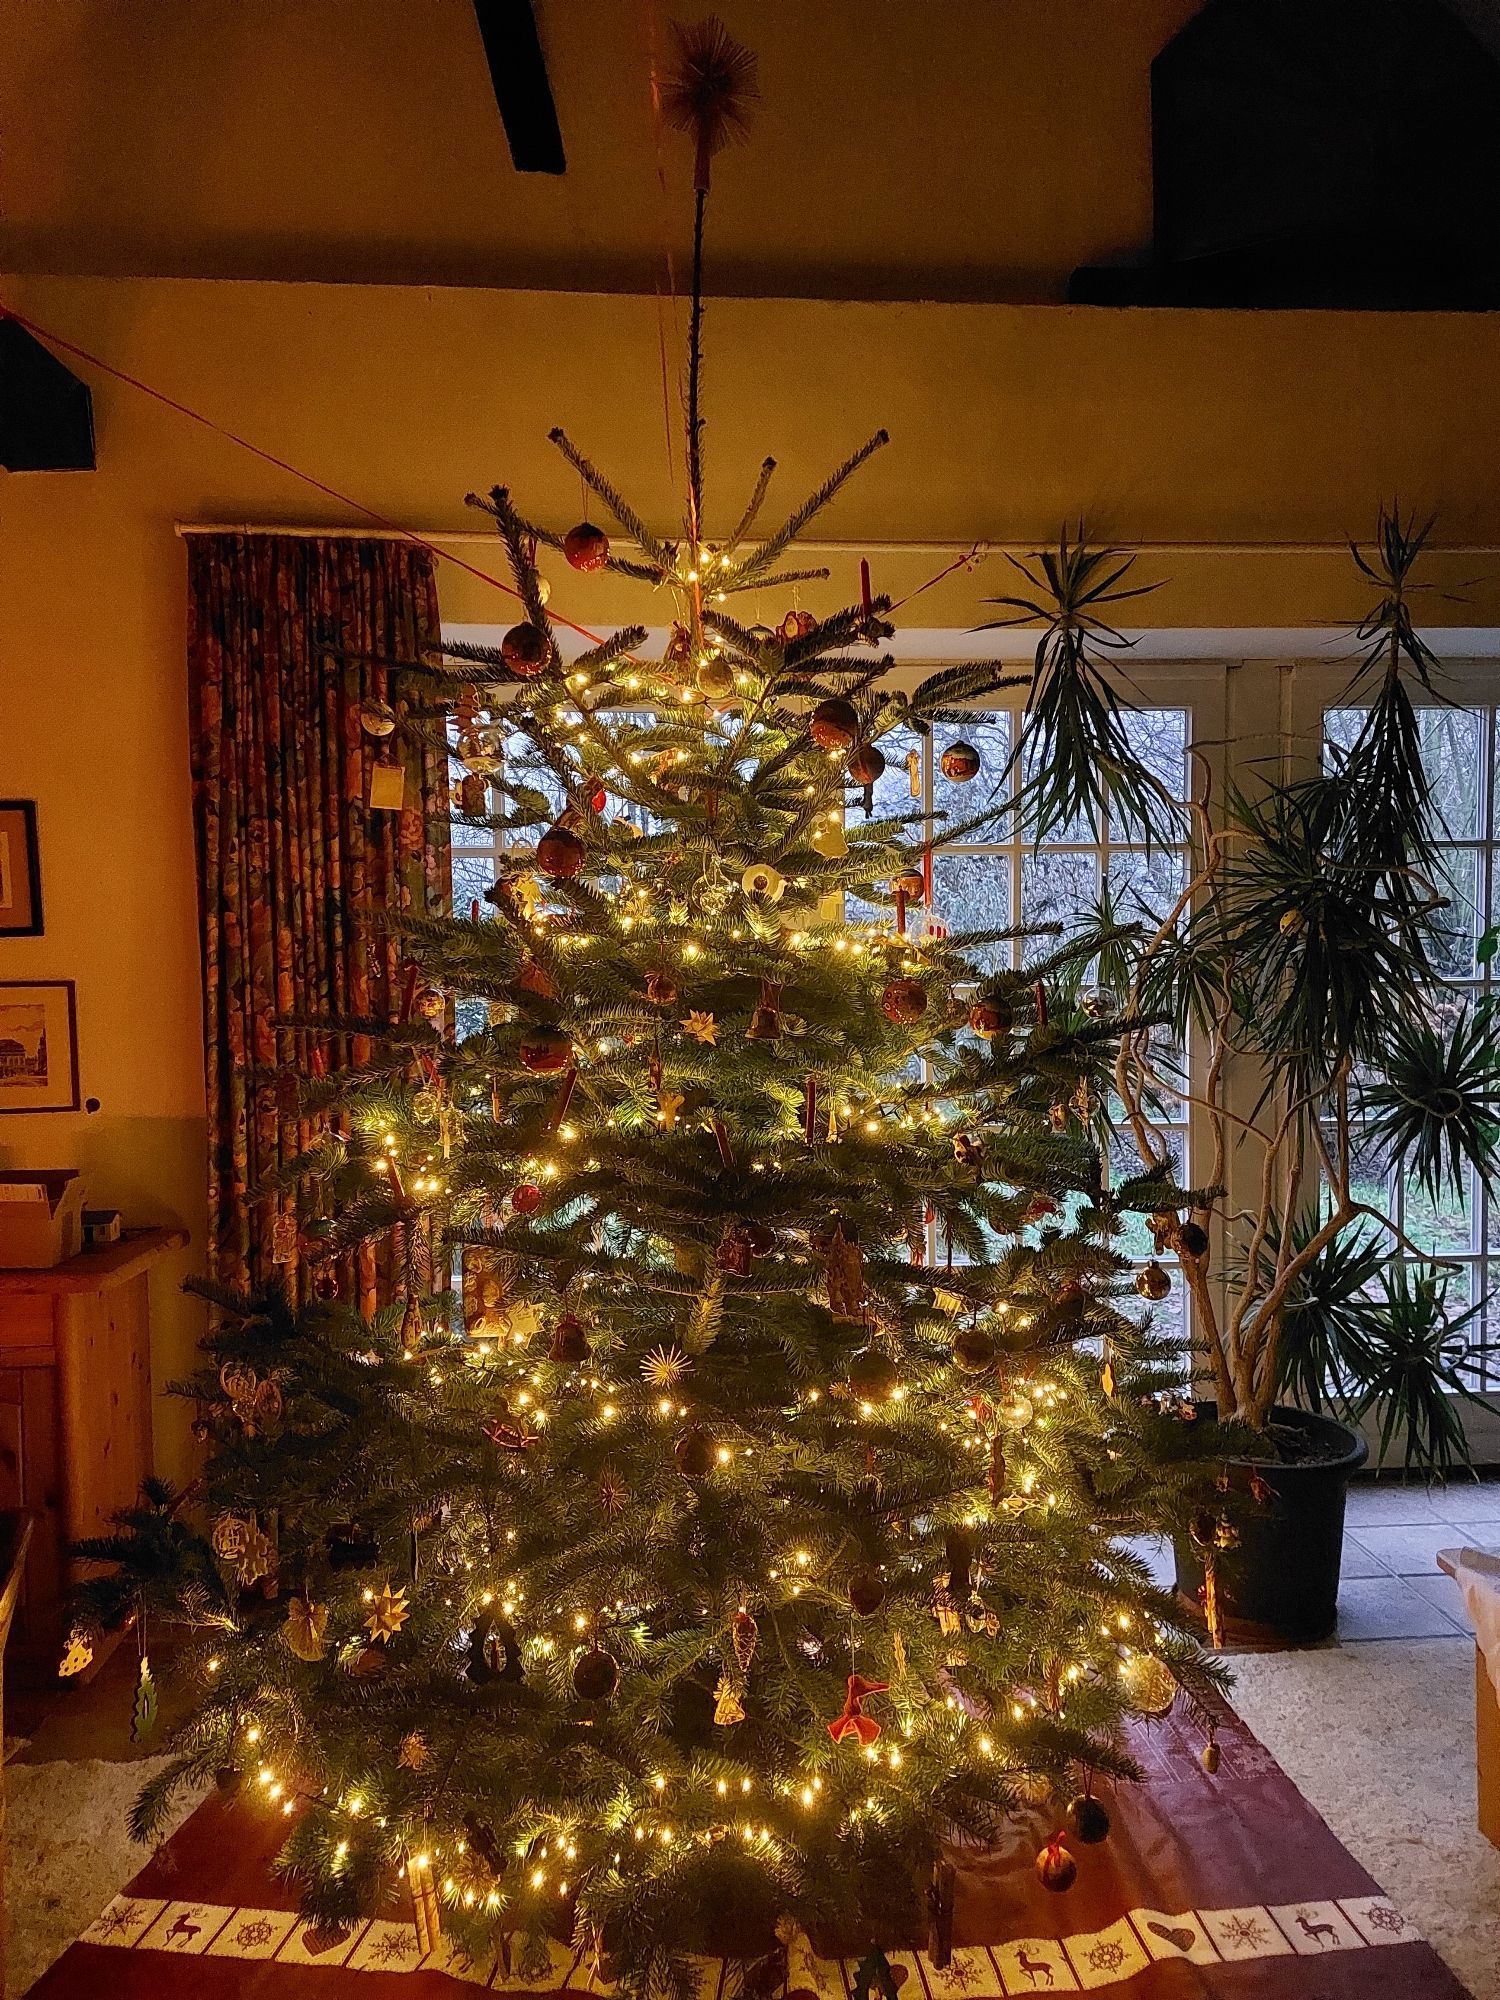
(75, 1415)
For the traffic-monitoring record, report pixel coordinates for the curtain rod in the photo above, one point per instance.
(461, 537)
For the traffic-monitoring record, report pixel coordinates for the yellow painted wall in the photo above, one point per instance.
(1193, 427)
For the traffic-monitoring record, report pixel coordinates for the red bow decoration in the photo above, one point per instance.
(854, 1721)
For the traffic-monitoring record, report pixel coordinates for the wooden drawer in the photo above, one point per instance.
(25, 1321)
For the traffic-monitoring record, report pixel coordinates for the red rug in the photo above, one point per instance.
(1207, 1886)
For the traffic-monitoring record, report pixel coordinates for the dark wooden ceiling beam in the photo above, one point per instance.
(518, 76)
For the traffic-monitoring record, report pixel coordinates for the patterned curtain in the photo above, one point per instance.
(296, 868)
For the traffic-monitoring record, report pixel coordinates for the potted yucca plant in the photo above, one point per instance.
(1304, 951)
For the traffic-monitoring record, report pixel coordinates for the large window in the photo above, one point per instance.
(1460, 745)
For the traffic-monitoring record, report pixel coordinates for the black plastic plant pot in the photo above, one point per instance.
(1280, 1584)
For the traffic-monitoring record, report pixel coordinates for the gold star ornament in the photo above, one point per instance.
(702, 1027)
(388, 1612)
(664, 1367)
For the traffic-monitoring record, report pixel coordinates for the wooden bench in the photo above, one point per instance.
(1486, 1706)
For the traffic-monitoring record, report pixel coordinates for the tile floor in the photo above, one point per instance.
(1392, 1587)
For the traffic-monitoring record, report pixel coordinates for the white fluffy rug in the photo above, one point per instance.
(68, 1852)
(1380, 1739)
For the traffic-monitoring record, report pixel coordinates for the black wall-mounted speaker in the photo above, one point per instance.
(46, 413)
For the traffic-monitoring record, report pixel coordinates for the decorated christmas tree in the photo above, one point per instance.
(730, 1507)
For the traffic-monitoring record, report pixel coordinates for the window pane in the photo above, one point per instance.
(1145, 886)
(472, 875)
(1457, 927)
(1447, 1226)
(1370, 1177)
(1057, 889)
(971, 892)
(1453, 756)
(1158, 737)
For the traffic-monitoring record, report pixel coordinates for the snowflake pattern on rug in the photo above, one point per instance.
(1108, 1955)
(1247, 1932)
(393, 1949)
(115, 1921)
(252, 1935)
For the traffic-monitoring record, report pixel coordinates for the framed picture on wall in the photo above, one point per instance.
(38, 1045)
(20, 870)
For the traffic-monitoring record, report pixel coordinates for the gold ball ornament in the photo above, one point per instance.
(596, 1676)
(1148, 1685)
(866, 1592)
(715, 678)
(1153, 1282)
(989, 1018)
(694, 1452)
(873, 1375)
(973, 1350)
(1015, 1410)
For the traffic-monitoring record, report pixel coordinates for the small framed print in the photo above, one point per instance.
(20, 870)
(38, 1045)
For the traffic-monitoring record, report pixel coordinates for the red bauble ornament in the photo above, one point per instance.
(761, 1238)
(694, 1453)
(866, 1592)
(661, 989)
(545, 1051)
(867, 765)
(570, 1344)
(904, 1001)
(559, 853)
(989, 1018)
(960, 762)
(1055, 1867)
(596, 1676)
(598, 799)
(910, 883)
(834, 724)
(524, 650)
(526, 1199)
(586, 547)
